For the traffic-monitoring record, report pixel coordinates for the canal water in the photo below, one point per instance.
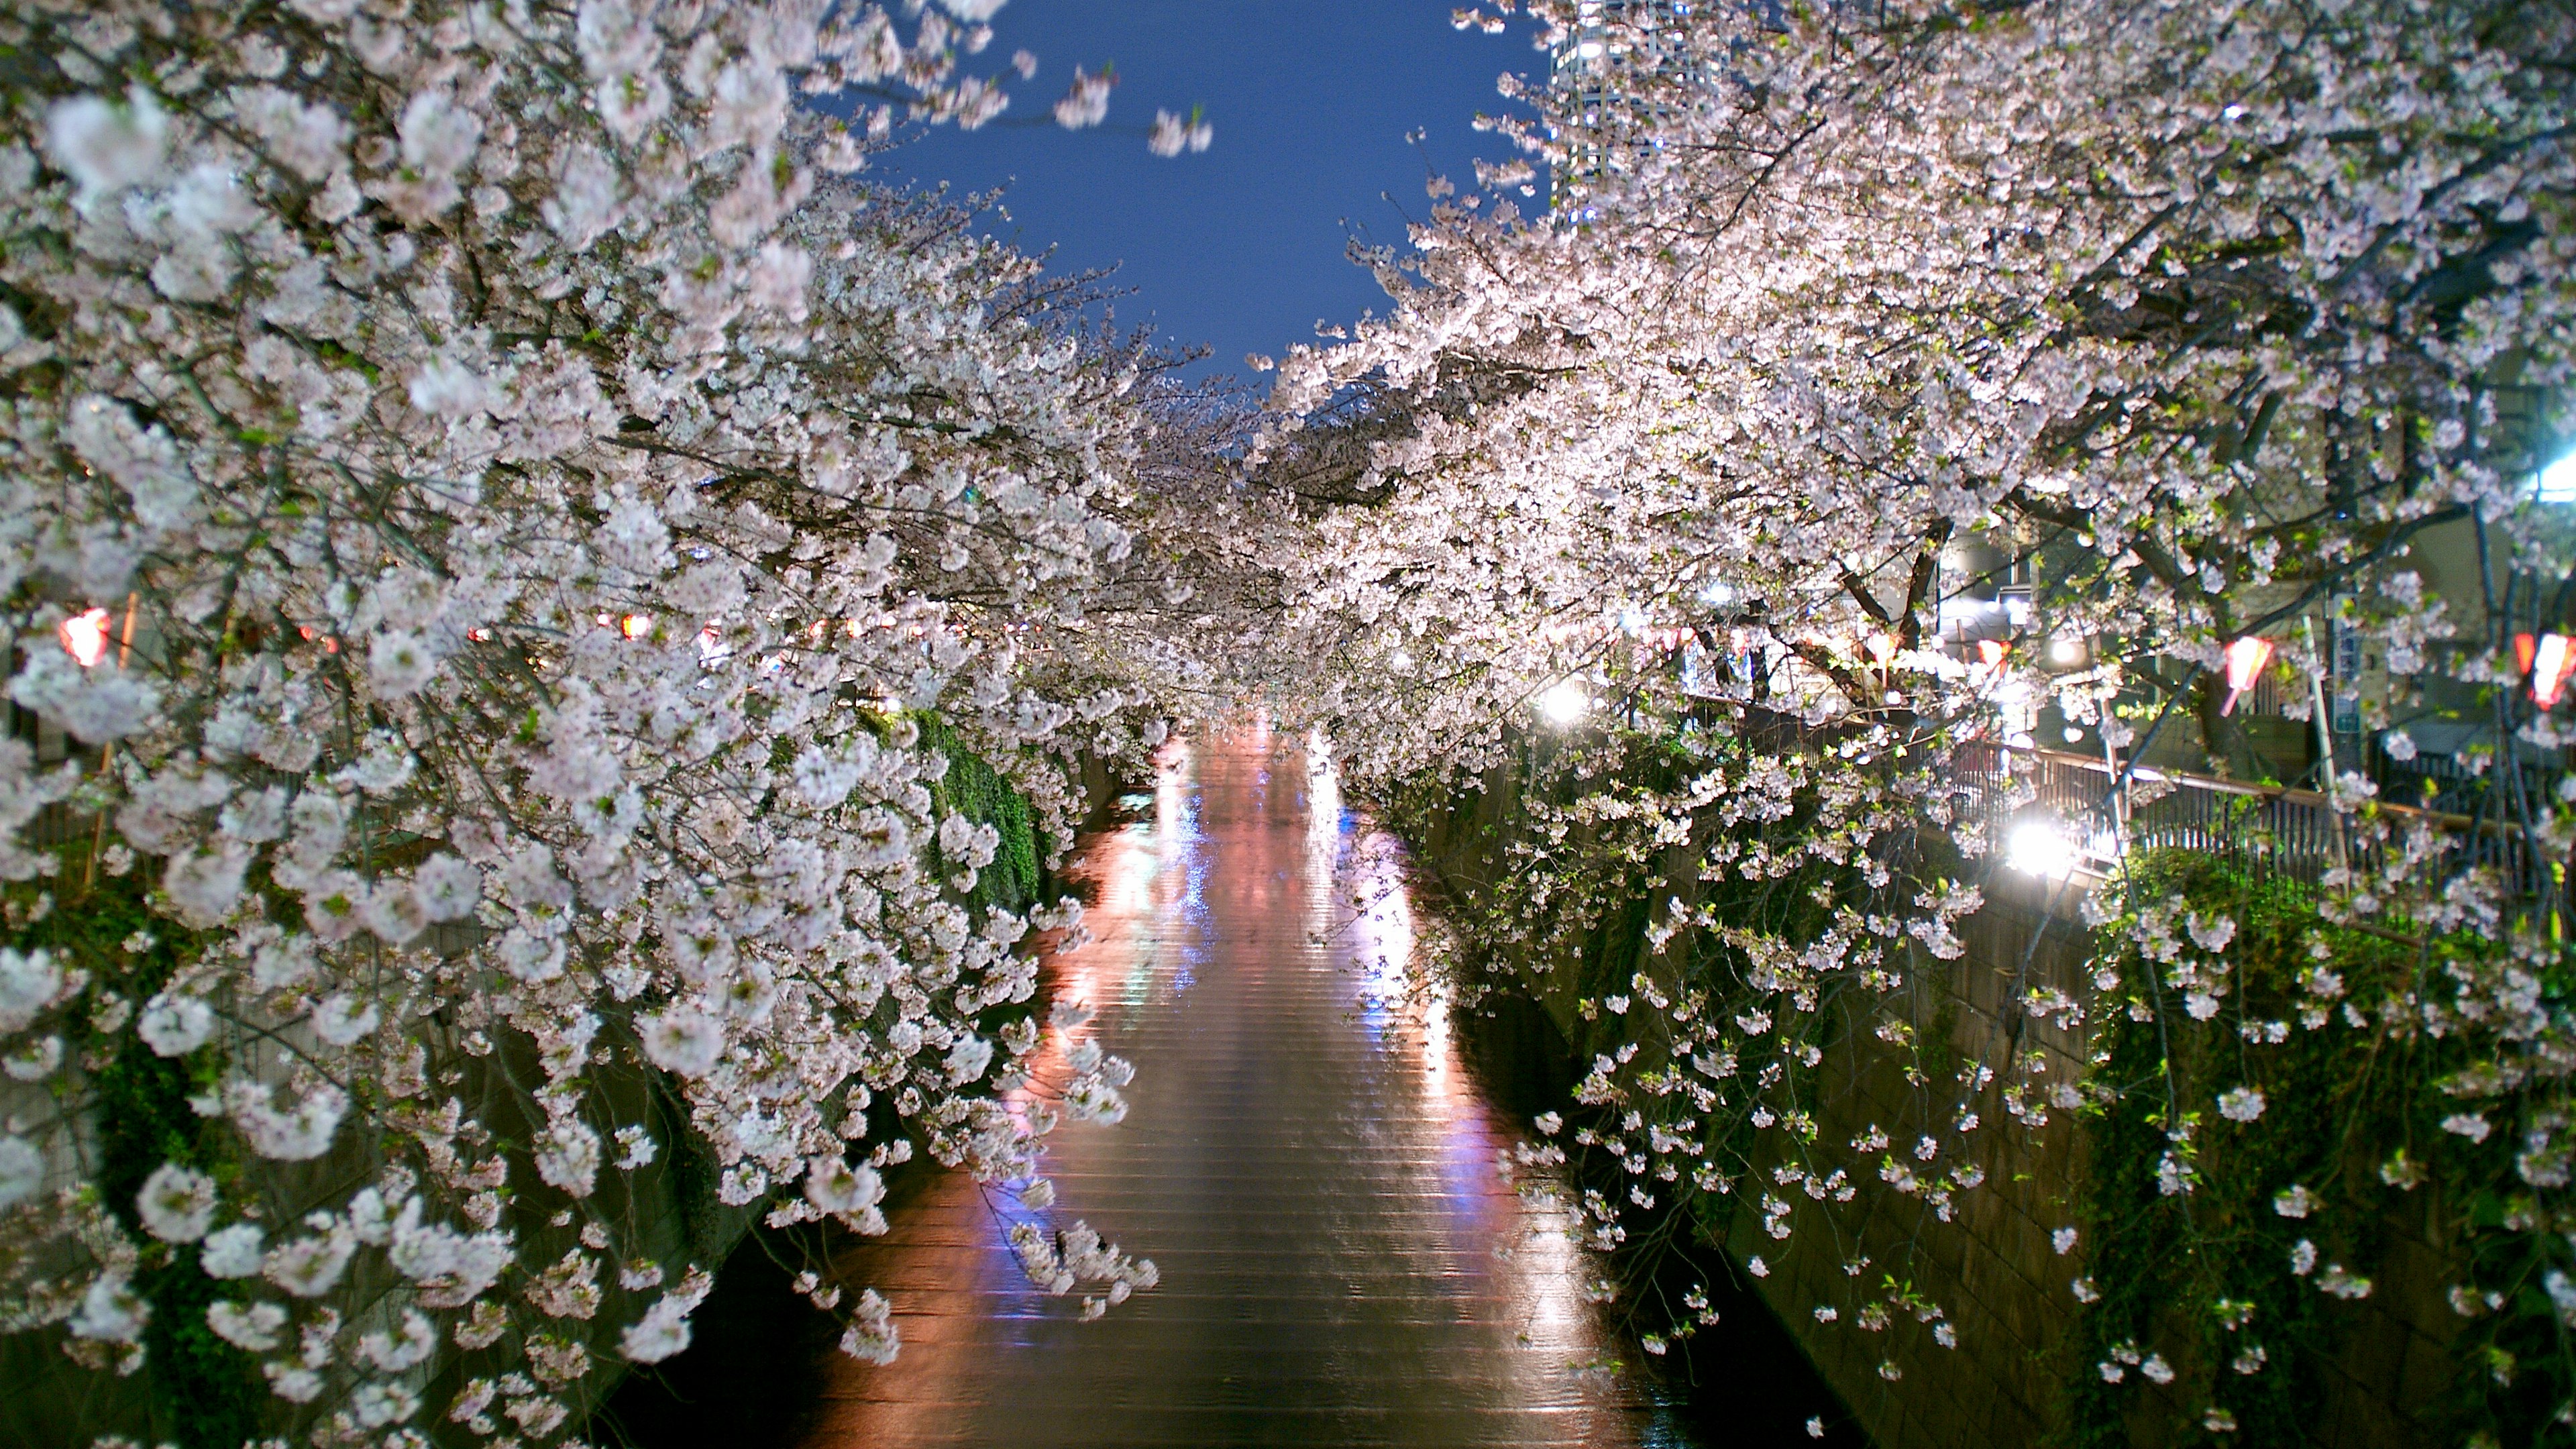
(1309, 1159)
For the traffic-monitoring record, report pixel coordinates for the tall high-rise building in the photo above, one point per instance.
(1610, 73)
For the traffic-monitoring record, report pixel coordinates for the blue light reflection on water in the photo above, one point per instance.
(1198, 861)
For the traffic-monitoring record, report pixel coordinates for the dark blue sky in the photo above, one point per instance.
(1241, 246)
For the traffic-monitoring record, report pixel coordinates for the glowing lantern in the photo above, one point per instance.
(1988, 667)
(1882, 647)
(84, 637)
(635, 626)
(2245, 660)
(2550, 662)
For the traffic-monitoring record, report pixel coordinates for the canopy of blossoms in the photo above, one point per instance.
(490, 496)
(493, 496)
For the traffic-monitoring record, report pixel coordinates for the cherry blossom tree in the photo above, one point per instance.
(2205, 315)
(536, 490)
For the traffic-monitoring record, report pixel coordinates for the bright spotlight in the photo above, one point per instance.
(2558, 480)
(1564, 702)
(2039, 847)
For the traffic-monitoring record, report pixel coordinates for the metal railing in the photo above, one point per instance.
(2266, 831)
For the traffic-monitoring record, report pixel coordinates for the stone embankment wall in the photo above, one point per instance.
(1993, 1266)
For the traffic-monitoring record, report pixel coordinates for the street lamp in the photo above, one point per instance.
(2041, 848)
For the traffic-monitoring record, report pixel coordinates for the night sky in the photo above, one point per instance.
(1239, 247)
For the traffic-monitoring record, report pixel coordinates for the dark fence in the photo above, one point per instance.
(2264, 830)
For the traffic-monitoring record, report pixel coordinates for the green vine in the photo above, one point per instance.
(2219, 1306)
(982, 794)
(203, 1392)
(2356, 1143)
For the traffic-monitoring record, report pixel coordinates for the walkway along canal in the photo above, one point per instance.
(1309, 1158)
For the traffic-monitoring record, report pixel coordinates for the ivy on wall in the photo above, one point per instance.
(2321, 1161)
(2233, 1242)
(203, 1393)
(975, 789)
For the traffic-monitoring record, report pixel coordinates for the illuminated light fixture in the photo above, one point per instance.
(2066, 649)
(2245, 660)
(1564, 702)
(2558, 480)
(1882, 647)
(84, 637)
(2039, 847)
(635, 626)
(1992, 651)
(2551, 661)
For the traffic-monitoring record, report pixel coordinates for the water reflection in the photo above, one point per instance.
(1305, 1159)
